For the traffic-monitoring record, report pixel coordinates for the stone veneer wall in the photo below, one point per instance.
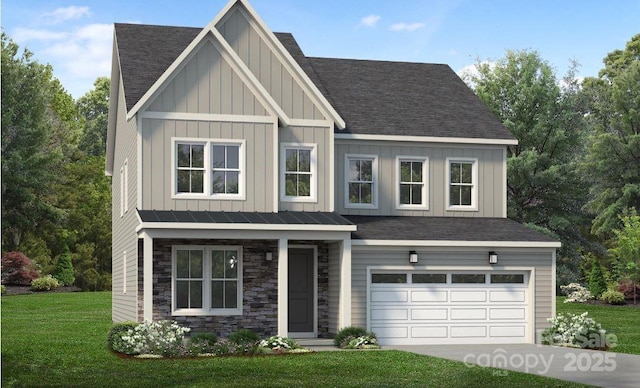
(259, 283)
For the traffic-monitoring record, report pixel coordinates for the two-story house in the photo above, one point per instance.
(255, 187)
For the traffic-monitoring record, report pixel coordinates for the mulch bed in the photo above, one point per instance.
(21, 290)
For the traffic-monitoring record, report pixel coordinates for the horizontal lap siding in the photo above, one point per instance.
(263, 62)
(157, 154)
(431, 258)
(491, 167)
(124, 238)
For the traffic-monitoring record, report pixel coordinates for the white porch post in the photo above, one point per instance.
(283, 287)
(148, 278)
(344, 302)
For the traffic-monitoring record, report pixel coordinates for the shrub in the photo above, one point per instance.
(204, 338)
(612, 297)
(163, 338)
(244, 336)
(114, 338)
(368, 341)
(346, 334)
(18, 269)
(576, 293)
(577, 331)
(45, 283)
(63, 270)
(626, 287)
(597, 283)
(279, 343)
(3, 289)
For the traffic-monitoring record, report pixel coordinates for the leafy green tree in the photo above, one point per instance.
(94, 107)
(544, 187)
(612, 161)
(626, 249)
(63, 270)
(597, 283)
(27, 160)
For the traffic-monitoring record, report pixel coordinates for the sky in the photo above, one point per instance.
(75, 36)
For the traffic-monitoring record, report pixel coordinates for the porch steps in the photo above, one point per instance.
(317, 344)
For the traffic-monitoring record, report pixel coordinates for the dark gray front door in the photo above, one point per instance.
(301, 290)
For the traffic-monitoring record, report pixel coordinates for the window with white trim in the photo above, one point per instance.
(207, 280)
(122, 191)
(209, 168)
(298, 166)
(124, 272)
(126, 185)
(462, 186)
(412, 182)
(361, 181)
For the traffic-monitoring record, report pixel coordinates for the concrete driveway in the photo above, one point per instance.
(605, 369)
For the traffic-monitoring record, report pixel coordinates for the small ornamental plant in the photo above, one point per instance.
(364, 342)
(163, 338)
(577, 331)
(279, 344)
(354, 337)
(576, 293)
(45, 283)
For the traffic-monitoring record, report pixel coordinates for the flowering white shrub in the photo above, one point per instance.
(576, 293)
(159, 338)
(363, 342)
(278, 343)
(577, 331)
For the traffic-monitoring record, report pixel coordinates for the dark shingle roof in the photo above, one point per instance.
(443, 228)
(373, 97)
(282, 218)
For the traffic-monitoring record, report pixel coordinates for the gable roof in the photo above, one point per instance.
(446, 229)
(386, 98)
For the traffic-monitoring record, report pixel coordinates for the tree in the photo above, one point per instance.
(94, 107)
(544, 187)
(612, 161)
(597, 283)
(64, 268)
(626, 249)
(18, 269)
(27, 160)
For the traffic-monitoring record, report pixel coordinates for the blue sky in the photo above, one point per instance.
(75, 36)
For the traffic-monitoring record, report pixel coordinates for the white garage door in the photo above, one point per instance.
(449, 307)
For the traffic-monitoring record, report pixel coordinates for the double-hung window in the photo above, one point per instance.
(361, 181)
(412, 182)
(207, 280)
(462, 187)
(298, 166)
(212, 168)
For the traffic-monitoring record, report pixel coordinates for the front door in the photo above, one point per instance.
(301, 290)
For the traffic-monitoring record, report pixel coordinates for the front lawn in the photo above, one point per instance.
(60, 340)
(623, 321)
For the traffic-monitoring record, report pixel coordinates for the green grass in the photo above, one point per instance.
(60, 340)
(619, 320)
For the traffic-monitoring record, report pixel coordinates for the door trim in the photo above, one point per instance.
(314, 333)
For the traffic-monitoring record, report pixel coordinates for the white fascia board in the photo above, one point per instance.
(293, 64)
(185, 116)
(114, 91)
(244, 227)
(425, 139)
(457, 243)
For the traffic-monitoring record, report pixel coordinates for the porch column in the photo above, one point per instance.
(344, 301)
(283, 287)
(147, 290)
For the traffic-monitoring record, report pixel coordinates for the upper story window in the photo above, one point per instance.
(124, 188)
(462, 188)
(209, 168)
(207, 280)
(298, 166)
(361, 180)
(412, 182)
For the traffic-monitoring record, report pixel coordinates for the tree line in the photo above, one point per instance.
(575, 173)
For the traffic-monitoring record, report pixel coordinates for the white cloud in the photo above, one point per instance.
(60, 15)
(369, 21)
(406, 26)
(28, 34)
(469, 72)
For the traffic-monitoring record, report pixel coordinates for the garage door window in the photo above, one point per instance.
(394, 278)
(507, 279)
(439, 278)
(470, 278)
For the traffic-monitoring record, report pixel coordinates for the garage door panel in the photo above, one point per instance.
(507, 313)
(468, 296)
(507, 296)
(468, 331)
(429, 296)
(390, 296)
(389, 314)
(418, 314)
(468, 314)
(507, 331)
(429, 332)
(390, 331)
